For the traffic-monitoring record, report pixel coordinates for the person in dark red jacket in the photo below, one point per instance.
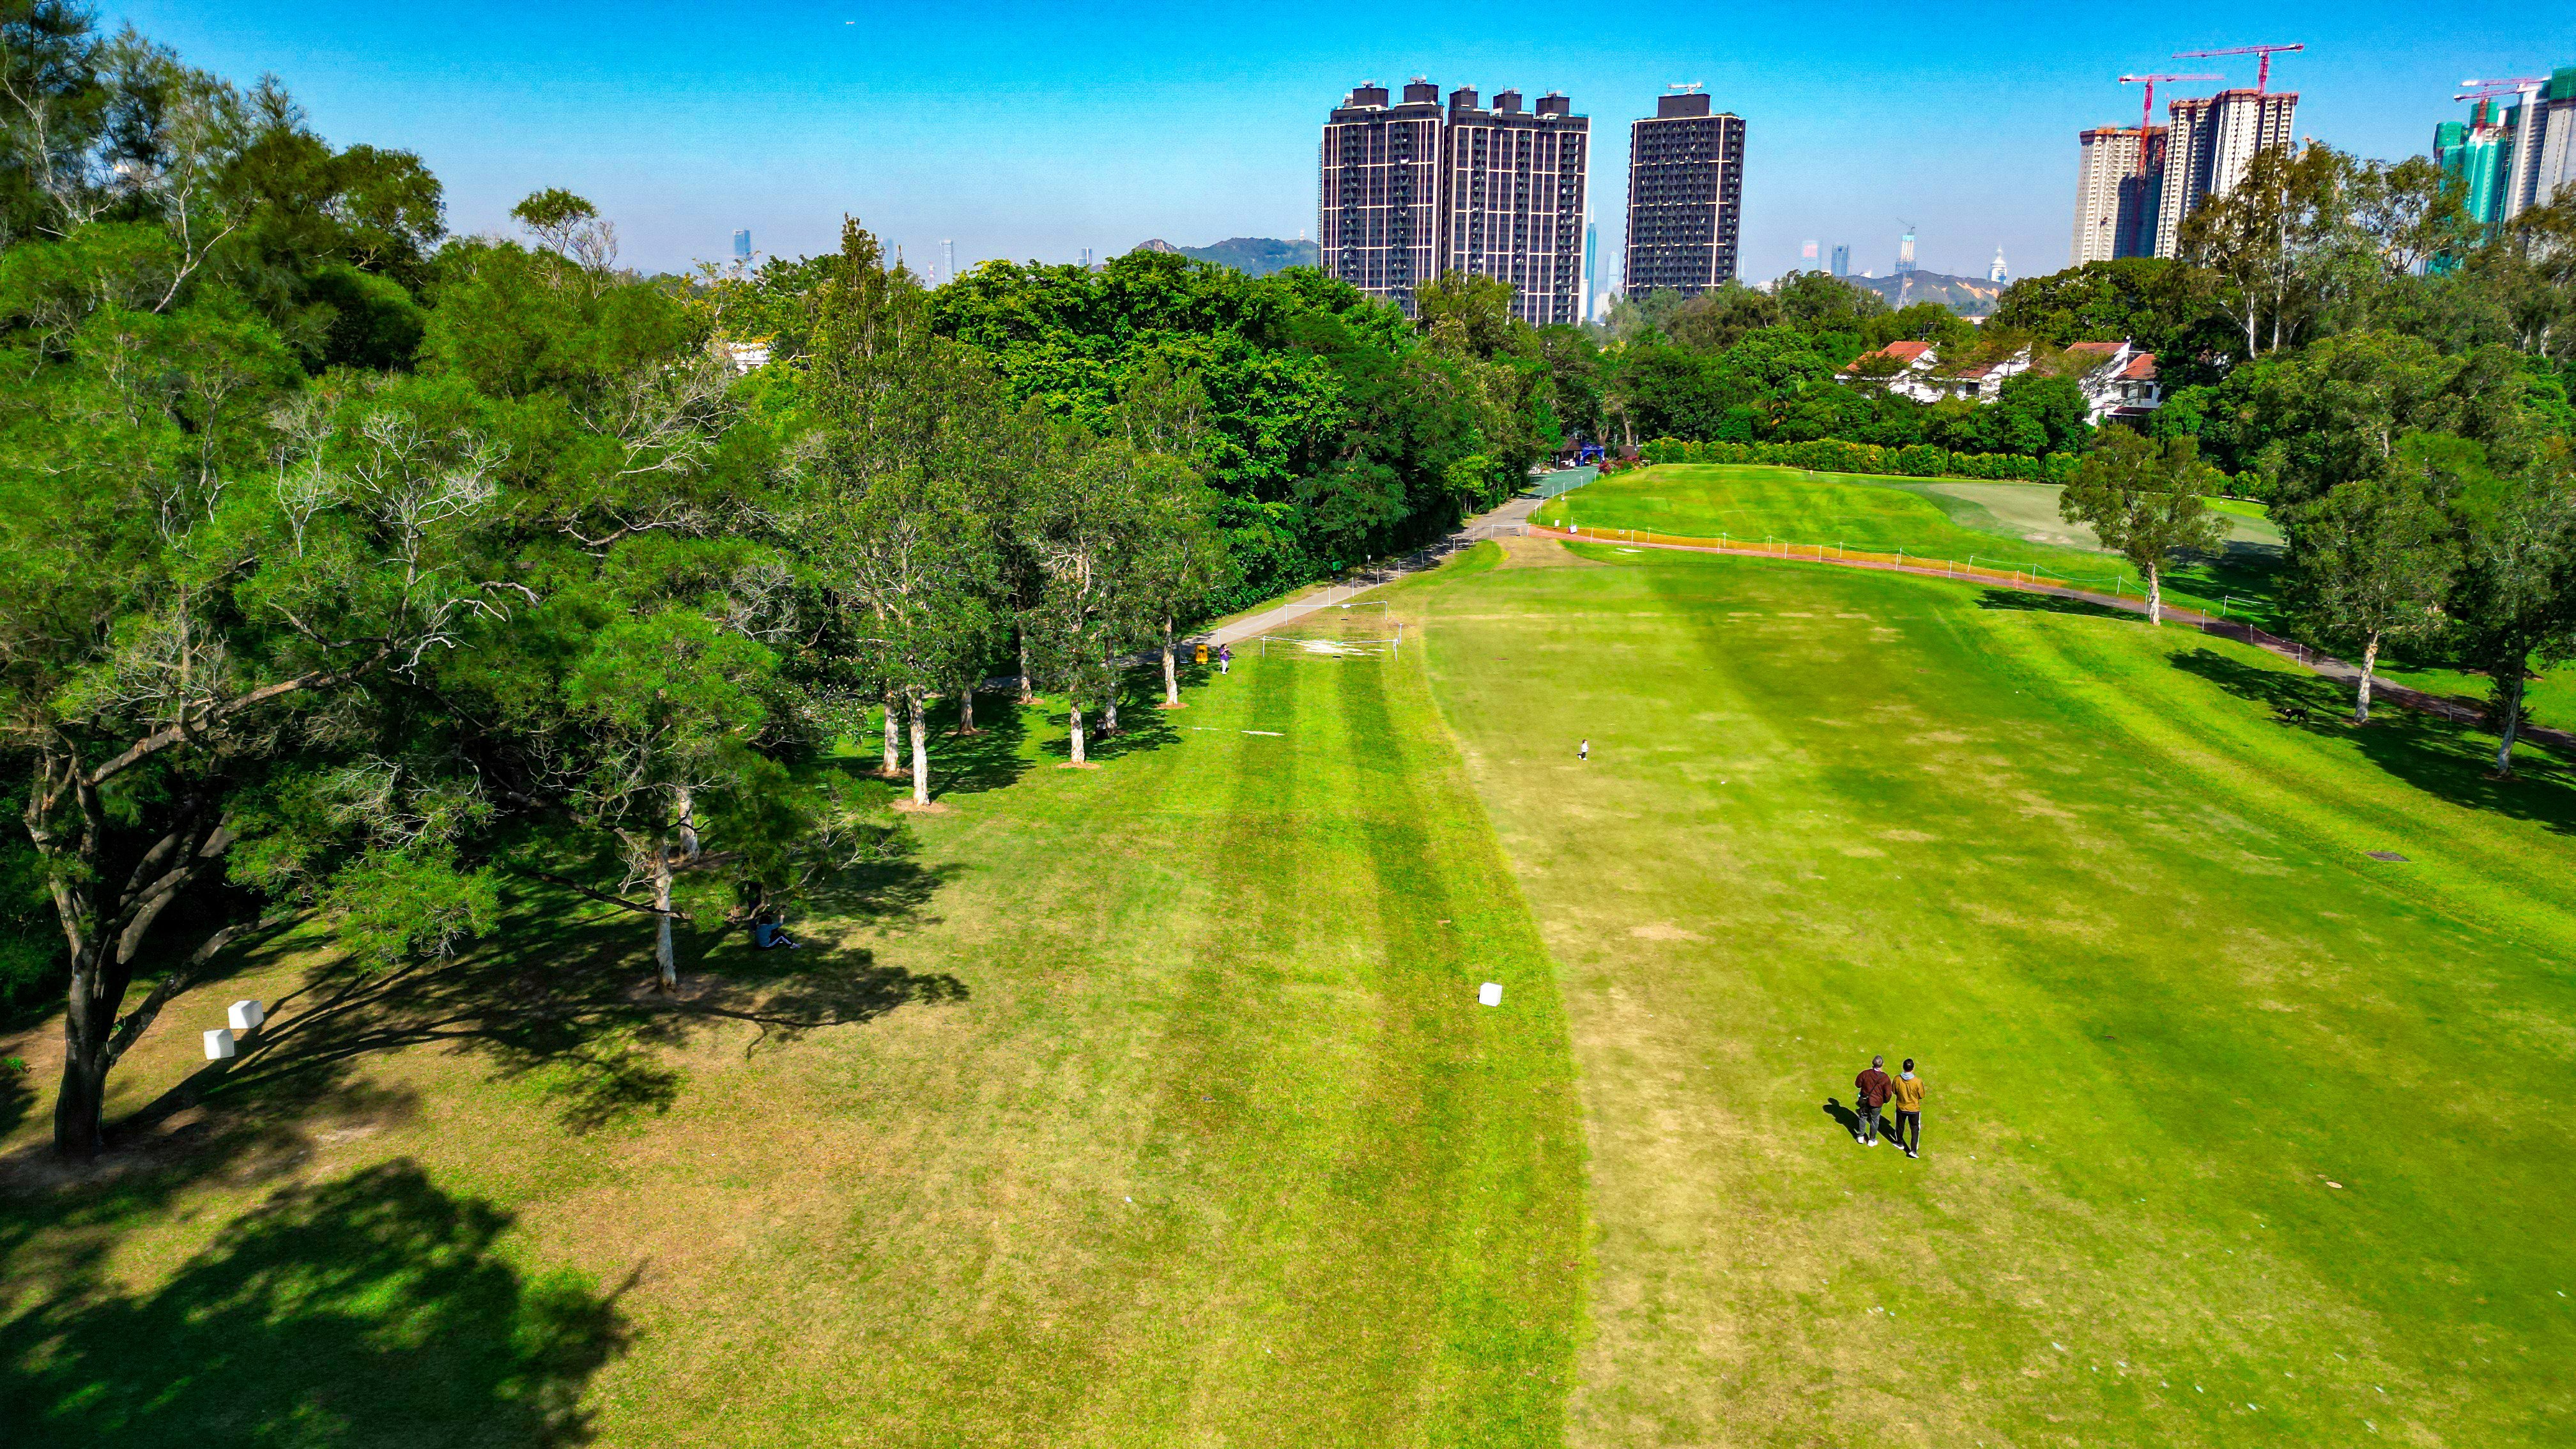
(1874, 1089)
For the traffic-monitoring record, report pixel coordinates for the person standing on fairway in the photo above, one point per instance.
(1225, 659)
(1907, 1090)
(1583, 751)
(1874, 1089)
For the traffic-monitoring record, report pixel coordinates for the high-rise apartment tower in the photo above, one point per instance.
(1842, 261)
(2115, 192)
(2207, 147)
(1414, 189)
(2513, 154)
(1685, 197)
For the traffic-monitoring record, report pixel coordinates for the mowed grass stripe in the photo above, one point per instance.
(1208, 976)
(2157, 1017)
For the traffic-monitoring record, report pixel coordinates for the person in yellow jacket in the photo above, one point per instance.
(1906, 1096)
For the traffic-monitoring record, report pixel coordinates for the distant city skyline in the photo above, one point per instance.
(1039, 132)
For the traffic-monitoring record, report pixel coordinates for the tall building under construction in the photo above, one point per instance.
(1685, 197)
(2208, 144)
(1413, 189)
(2117, 179)
(2513, 154)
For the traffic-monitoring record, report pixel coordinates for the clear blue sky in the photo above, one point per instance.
(1036, 130)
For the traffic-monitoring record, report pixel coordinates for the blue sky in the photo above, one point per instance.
(1037, 130)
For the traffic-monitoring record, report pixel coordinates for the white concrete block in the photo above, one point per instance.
(1490, 994)
(219, 1044)
(246, 1016)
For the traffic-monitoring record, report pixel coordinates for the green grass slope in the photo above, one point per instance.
(2011, 525)
(2235, 1135)
(1163, 1114)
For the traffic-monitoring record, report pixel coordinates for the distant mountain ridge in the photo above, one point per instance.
(1967, 296)
(1256, 256)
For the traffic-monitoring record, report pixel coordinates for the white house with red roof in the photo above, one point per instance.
(2121, 384)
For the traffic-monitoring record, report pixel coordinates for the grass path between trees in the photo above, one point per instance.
(1167, 1117)
(2235, 1134)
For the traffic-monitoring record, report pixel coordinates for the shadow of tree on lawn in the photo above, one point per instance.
(2017, 601)
(370, 1310)
(2440, 757)
(989, 759)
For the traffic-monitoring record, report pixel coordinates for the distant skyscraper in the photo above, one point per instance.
(1412, 190)
(1842, 261)
(742, 245)
(2115, 192)
(1685, 197)
(1591, 264)
(1996, 272)
(2207, 147)
(948, 260)
(2512, 154)
(1905, 252)
(1807, 254)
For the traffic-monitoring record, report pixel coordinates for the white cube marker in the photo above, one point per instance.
(1490, 994)
(219, 1044)
(246, 1016)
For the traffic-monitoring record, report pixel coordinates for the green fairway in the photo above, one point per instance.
(2234, 1134)
(2012, 525)
(1168, 1117)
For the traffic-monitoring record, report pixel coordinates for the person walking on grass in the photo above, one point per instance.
(1583, 751)
(1907, 1092)
(1225, 659)
(1874, 1089)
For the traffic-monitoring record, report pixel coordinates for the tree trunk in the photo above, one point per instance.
(1028, 694)
(666, 966)
(1109, 707)
(966, 708)
(1073, 726)
(1171, 671)
(80, 1127)
(2155, 596)
(893, 765)
(2509, 710)
(920, 752)
(2361, 696)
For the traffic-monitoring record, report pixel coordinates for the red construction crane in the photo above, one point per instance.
(2147, 112)
(2510, 82)
(2262, 73)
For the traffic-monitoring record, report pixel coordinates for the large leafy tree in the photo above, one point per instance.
(2376, 556)
(2142, 498)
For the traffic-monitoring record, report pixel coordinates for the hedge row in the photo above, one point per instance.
(1832, 455)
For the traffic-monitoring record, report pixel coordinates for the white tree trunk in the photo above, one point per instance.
(893, 746)
(966, 708)
(667, 979)
(920, 752)
(1109, 707)
(2155, 596)
(2361, 696)
(1171, 671)
(1073, 726)
(1028, 693)
(2509, 706)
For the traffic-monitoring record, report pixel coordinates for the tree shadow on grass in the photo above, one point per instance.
(375, 1309)
(2017, 601)
(989, 759)
(1141, 726)
(2440, 757)
(17, 1097)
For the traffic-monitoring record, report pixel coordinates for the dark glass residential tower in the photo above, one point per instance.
(1413, 189)
(1685, 197)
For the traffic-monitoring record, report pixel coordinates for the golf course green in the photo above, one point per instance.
(2011, 525)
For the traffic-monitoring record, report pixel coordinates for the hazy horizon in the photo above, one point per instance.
(1033, 133)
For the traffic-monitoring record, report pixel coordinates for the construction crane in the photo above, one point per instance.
(2262, 73)
(2147, 118)
(2147, 111)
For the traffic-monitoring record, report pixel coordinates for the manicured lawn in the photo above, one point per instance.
(2235, 1135)
(1164, 1114)
(2011, 525)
